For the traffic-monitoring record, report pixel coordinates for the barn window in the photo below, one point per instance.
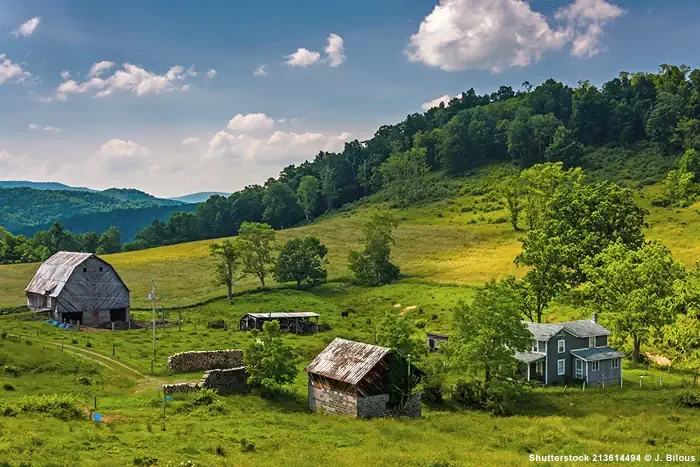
(84, 269)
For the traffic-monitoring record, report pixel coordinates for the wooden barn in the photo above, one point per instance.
(297, 321)
(352, 378)
(79, 287)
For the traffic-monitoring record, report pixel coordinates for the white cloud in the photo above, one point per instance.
(497, 34)
(190, 140)
(100, 67)
(335, 50)
(65, 75)
(260, 71)
(436, 102)
(211, 73)
(9, 70)
(119, 155)
(28, 28)
(131, 78)
(302, 58)
(250, 122)
(35, 127)
(586, 19)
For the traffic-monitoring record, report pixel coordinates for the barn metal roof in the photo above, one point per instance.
(347, 361)
(53, 273)
(296, 314)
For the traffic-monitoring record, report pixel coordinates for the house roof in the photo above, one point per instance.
(296, 314)
(581, 328)
(597, 353)
(53, 273)
(529, 357)
(347, 361)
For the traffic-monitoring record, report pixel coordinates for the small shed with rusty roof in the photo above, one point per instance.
(353, 378)
(79, 287)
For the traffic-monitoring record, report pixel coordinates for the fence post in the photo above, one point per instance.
(583, 387)
(661, 382)
(640, 382)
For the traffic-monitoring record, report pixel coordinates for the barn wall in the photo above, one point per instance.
(93, 292)
(329, 399)
(376, 406)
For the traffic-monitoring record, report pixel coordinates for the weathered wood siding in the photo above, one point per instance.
(93, 292)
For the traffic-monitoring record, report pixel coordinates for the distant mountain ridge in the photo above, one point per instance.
(41, 185)
(199, 197)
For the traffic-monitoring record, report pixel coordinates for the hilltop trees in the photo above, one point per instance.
(372, 265)
(307, 194)
(404, 174)
(681, 184)
(227, 253)
(301, 261)
(255, 243)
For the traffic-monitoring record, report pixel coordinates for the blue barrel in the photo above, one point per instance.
(49, 321)
(61, 325)
(67, 326)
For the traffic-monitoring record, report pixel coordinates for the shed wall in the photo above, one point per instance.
(330, 400)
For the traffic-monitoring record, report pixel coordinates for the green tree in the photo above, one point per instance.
(270, 363)
(110, 241)
(512, 191)
(634, 289)
(227, 254)
(307, 193)
(539, 183)
(404, 176)
(564, 147)
(398, 333)
(680, 185)
(329, 186)
(256, 242)
(372, 265)
(301, 261)
(280, 206)
(487, 333)
(663, 120)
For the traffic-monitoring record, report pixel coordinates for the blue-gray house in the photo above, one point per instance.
(571, 352)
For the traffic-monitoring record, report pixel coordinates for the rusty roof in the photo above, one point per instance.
(347, 361)
(53, 273)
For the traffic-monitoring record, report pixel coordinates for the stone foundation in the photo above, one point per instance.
(332, 402)
(181, 388)
(376, 407)
(225, 381)
(185, 362)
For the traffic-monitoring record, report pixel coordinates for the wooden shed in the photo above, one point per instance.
(296, 321)
(79, 287)
(353, 378)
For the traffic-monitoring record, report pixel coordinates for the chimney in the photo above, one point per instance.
(594, 317)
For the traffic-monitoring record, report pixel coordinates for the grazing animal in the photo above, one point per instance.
(345, 314)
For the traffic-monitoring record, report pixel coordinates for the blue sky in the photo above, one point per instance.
(127, 126)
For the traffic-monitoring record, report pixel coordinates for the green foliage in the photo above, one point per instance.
(487, 333)
(681, 184)
(682, 337)
(145, 461)
(227, 253)
(372, 265)
(329, 186)
(690, 399)
(307, 195)
(398, 333)
(301, 261)
(403, 174)
(635, 288)
(204, 397)
(281, 209)
(58, 406)
(270, 362)
(255, 243)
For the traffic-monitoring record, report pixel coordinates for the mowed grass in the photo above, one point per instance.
(613, 420)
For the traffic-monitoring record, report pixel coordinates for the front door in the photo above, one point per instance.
(579, 369)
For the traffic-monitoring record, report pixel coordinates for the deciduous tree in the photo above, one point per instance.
(301, 261)
(227, 253)
(256, 242)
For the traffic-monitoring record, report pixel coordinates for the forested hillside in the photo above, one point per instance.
(632, 128)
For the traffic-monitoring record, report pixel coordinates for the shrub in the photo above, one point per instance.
(3, 334)
(204, 397)
(84, 380)
(432, 387)
(420, 324)
(145, 461)
(12, 370)
(218, 324)
(220, 451)
(434, 317)
(8, 387)
(58, 406)
(690, 398)
(247, 446)
(7, 411)
(468, 393)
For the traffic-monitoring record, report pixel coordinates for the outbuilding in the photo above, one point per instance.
(79, 287)
(353, 378)
(295, 321)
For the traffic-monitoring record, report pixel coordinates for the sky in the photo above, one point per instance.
(176, 96)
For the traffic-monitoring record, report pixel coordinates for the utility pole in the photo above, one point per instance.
(152, 297)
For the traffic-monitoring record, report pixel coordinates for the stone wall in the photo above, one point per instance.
(185, 362)
(226, 381)
(376, 406)
(332, 402)
(181, 387)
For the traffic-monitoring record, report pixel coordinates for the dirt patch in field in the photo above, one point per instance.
(409, 308)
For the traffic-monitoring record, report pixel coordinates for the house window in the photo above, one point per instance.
(539, 368)
(561, 367)
(101, 269)
(595, 366)
(616, 363)
(561, 346)
(84, 269)
(591, 342)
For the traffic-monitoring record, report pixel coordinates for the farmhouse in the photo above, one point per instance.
(573, 351)
(299, 321)
(352, 378)
(79, 287)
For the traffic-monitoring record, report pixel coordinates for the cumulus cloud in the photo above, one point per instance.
(335, 50)
(497, 34)
(436, 102)
(260, 71)
(190, 140)
(211, 73)
(302, 58)
(100, 67)
(10, 71)
(53, 129)
(119, 155)
(27, 29)
(65, 75)
(131, 78)
(250, 122)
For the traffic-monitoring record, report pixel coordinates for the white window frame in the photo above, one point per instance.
(561, 346)
(561, 367)
(579, 373)
(535, 346)
(595, 365)
(615, 363)
(592, 342)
